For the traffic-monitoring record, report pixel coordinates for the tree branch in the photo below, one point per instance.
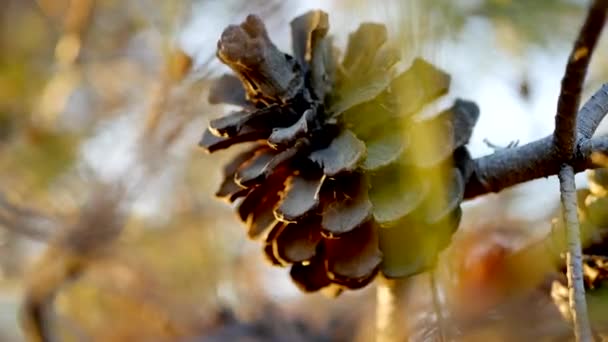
(572, 83)
(567, 151)
(25, 221)
(597, 145)
(574, 257)
(592, 113)
(566, 142)
(538, 159)
(512, 166)
(68, 254)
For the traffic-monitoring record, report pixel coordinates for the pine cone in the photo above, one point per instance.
(341, 176)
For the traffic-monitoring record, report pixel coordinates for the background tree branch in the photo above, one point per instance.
(26, 221)
(67, 256)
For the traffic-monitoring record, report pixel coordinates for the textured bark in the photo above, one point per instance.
(592, 113)
(572, 82)
(574, 257)
(565, 139)
(538, 159)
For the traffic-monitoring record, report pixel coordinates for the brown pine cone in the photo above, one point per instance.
(341, 177)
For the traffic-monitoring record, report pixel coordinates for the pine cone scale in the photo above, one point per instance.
(343, 154)
(355, 257)
(228, 89)
(298, 242)
(307, 31)
(311, 276)
(346, 206)
(212, 143)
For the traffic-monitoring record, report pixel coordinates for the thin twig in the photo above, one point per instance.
(505, 168)
(572, 83)
(437, 307)
(592, 113)
(574, 257)
(390, 323)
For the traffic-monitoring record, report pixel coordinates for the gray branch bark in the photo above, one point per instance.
(565, 140)
(572, 83)
(569, 149)
(592, 113)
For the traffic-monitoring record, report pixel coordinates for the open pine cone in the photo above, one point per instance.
(341, 177)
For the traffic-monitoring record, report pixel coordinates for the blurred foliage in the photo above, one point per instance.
(541, 21)
(517, 23)
(50, 153)
(592, 208)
